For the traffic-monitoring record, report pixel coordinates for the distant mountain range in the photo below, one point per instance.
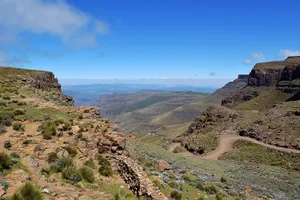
(85, 94)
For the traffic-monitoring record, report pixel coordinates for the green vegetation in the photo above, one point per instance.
(60, 164)
(87, 174)
(17, 126)
(223, 180)
(90, 163)
(5, 162)
(72, 175)
(176, 195)
(104, 166)
(52, 157)
(250, 152)
(71, 150)
(27, 191)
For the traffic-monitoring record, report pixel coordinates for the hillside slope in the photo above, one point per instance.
(163, 113)
(50, 148)
(266, 110)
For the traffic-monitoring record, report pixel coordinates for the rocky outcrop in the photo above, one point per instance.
(271, 73)
(41, 80)
(137, 179)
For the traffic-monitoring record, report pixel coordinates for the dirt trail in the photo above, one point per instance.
(226, 144)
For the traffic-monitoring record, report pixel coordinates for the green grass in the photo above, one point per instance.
(264, 101)
(34, 113)
(123, 193)
(249, 152)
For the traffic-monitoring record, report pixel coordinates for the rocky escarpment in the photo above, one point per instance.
(272, 73)
(41, 80)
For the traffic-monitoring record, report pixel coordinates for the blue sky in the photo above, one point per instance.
(95, 39)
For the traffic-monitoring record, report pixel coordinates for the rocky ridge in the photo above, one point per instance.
(75, 133)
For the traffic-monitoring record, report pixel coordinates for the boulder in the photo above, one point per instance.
(163, 165)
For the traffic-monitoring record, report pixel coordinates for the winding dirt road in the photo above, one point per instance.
(226, 144)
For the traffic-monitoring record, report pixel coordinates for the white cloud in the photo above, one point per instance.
(287, 53)
(56, 18)
(212, 74)
(248, 61)
(258, 56)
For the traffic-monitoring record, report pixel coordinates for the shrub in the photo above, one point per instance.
(17, 126)
(176, 195)
(48, 129)
(90, 163)
(71, 150)
(101, 149)
(220, 196)
(186, 177)
(46, 171)
(60, 164)
(28, 191)
(6, 119)
(52, 157)
(117, 196)
(173, 184)
(5, 161)
(6, 97)
(22, 96)
(80, 116)
(171, 174)
(223, 180)
(102, 161)
(211, 188)
(3, 103)
(88, 174)
(105, 171)
(14, 101)
(199, 186)
(21, 103)
(19, 111)
(72, 175)
(2, 128)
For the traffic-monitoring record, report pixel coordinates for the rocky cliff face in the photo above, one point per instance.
(42, 80)
(271, 73)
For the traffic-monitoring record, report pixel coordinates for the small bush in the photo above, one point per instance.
(60, 164)
(105, 171)
(3, 103)
(17, 126)
(5, 161)
(14, 101)
(72, 175)
(80, 116)
(90, 163)
(6, 97)
(2, 128)
(21, 103)
(173, 184)
(22, 96)
(71, 150)
(52, 157)
(6, 119)
(88, 174)
(220, 196)
(211, 188)
(223, 180)
(48, 129)
(200, 186)
(176, 195)
(186, 177)
(117, 197)
(171, 174)
(19, 111)
(102, 161)
(28, 191)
